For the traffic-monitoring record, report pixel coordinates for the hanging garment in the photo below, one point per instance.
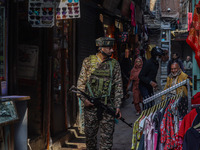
(196, 98)
(191, 140)
(189, 20)
(187, 122)
(182, 107)
(132, 8)
(167, 129)
(193, 38)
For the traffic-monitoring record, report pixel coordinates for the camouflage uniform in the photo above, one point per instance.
(92, 123)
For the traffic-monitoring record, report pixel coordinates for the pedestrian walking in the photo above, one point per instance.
(188, 66)
(100, 77)
(175, 58)
(134, 80)
(176, 76)
(125, 65)
(148, 73)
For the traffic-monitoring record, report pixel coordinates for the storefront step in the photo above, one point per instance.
(76, 141)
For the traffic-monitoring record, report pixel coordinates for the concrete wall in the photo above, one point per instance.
(182, 48)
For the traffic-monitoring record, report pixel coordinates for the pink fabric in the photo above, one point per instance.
(155, 140)
(132, 8)
(180, 139)
(189, 20)
(148, 139)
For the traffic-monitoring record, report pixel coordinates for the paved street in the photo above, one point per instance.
(123, 133)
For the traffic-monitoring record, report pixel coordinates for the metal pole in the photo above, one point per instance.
(164, 92)
(189, 95)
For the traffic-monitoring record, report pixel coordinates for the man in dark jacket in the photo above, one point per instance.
(148, 73)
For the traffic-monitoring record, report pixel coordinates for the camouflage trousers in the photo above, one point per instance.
(92, 125)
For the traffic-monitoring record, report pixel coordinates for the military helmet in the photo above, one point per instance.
(105, 42)
(156, 51)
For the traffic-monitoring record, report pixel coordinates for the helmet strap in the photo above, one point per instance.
(102, 52)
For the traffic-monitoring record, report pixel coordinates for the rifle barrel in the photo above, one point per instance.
(96, 102)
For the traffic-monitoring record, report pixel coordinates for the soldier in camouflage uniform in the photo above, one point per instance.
(101, 65)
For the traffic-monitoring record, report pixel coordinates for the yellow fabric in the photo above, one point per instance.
(183, 88)
(136, 134)
(133, 147)
(148, 51)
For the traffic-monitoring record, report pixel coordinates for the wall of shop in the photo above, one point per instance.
(182, 48)
(88, 30)
(28, 44)
(154, 37)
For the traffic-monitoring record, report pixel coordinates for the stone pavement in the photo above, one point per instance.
(122, 137)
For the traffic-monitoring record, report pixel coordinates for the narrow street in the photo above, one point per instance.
(122, 137)
(49, 46)
(123, 134)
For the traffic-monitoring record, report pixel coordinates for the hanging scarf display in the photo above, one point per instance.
(193, 38)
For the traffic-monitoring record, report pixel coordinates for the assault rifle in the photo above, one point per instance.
(100, 106)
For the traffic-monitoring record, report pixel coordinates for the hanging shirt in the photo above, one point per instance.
(167, 129)
(187, 122)
(148, 133)
(137, 133)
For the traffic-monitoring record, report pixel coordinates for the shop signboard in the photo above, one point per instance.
(28, 62)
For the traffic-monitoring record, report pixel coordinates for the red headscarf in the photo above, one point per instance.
(136, 69)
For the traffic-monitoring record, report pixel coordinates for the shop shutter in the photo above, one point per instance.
(86, 32)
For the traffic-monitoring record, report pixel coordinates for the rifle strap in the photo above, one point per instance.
(110, 85)
(90, 90)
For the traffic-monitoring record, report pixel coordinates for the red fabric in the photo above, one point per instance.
(193, 38)
(196, 98)
(187, 122)
(132, 8)
(168, 137)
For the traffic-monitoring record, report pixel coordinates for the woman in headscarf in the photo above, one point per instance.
(137, 98)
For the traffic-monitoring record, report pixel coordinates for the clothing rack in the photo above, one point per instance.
(195, 105)
(185, 82)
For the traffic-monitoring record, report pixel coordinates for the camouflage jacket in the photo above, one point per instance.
(86, 70)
